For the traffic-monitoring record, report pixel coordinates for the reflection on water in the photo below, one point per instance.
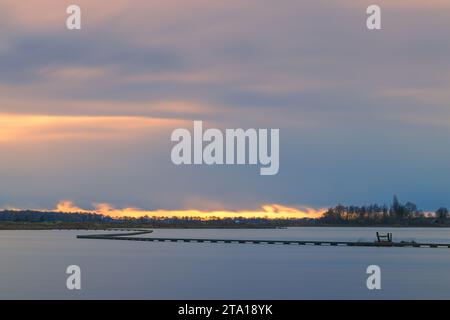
(33, 265)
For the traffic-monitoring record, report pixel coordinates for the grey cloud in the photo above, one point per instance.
(30, 53)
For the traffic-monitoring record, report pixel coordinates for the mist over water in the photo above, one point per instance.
(33, 265)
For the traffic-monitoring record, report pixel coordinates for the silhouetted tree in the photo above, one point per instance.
(395, 207)
(442, 214)
(398, 210)
(410, 210)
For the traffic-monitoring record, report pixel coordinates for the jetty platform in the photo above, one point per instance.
(131, 236)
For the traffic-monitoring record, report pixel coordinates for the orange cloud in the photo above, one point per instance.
(270, 211)
(45, 14)
(19, 127)
(68, 206)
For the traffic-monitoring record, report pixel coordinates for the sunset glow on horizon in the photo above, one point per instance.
(268, 211)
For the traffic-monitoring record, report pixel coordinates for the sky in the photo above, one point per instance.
(86, 115)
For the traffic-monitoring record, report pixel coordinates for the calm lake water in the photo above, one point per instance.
(33, 265)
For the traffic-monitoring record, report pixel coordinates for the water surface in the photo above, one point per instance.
(33, 264)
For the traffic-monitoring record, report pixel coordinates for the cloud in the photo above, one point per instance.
(17, 128)
(26, 56)
(271, 211)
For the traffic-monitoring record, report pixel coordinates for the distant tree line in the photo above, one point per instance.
(396, 213)
(42, 216)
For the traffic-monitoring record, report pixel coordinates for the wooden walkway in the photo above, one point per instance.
(129, 236)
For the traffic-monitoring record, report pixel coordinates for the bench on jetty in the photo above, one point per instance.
(131, 236)
(384, 238)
